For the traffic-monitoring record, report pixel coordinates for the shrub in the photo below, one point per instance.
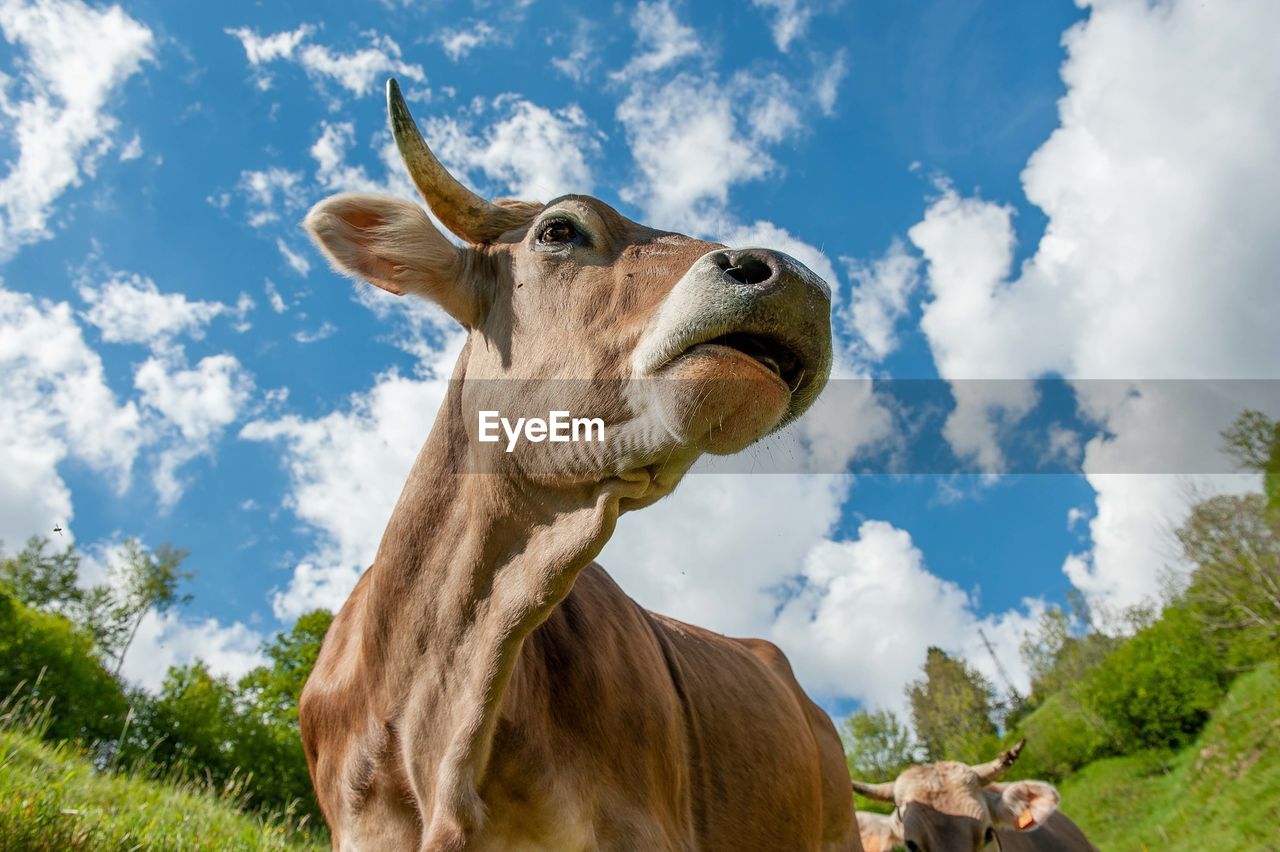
(46, 657)
(1157, 689)
(1062, 736)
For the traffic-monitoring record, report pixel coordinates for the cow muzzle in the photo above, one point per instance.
(747, 335)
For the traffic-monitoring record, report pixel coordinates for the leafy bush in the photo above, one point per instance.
(1157, 689)
(48, 658)
(1062, 736)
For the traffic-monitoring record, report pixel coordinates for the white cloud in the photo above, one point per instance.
(662, 40)
(129, 308)
(77, 58)
(277, 301)
(533, 152)
(263, 49)
(826, 85)
(297, 262)
(865, 613)
(326, 329)
(230, 650)
(194, 406)
(335, 174)
(457, 42)
(346, 470)
(358, 71)
(1157, 260)
(132, 149)
(57, 406)
(270, 192)
(689, 149)
(881, 293)
(581, 59)
(790, 20)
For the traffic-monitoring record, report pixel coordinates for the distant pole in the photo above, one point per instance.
(1004, 675)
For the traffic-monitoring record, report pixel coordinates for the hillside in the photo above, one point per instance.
(1222, 792)
(52, 799)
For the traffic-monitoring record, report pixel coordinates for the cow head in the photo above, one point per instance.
(954, 807)
(679, 346)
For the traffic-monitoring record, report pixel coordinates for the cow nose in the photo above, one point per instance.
(749, 267)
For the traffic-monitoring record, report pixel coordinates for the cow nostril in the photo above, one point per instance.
(747, 268)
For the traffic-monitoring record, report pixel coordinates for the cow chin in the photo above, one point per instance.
(719, 401)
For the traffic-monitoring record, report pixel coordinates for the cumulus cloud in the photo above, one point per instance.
(581, 60)
(230, 650)
(1156, 263)
(194, 405)
(346, 469)
(271, 192)
(358, 71)
(129, 308)
(295, 260)
(662, 40)
(866, 610)
(790, 18)
(690, 150)
(71, 64)
(881, 297)
(528, 150)
(457, 42)
(826, 84)
(57, 406)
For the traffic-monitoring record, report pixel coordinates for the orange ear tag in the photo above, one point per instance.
(1025, 820)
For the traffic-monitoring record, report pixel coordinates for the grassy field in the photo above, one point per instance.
(1222, 792)
(52, 799)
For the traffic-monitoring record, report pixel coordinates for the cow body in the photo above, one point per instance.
(702, 744)
(487, 686)
(1058, 834)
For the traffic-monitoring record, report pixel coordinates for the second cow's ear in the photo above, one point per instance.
(880, 832)
(1022, 805)
(393, 244)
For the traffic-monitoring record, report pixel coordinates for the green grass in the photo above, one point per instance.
(51, 798)
(1222, 792)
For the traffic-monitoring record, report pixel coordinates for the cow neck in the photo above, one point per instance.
(469, 565)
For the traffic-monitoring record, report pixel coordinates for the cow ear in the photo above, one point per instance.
(393, 244)
(879, 831)
(1024, 805)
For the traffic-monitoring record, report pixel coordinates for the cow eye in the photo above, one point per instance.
(989, 836)
(912, 846)
(557, 232)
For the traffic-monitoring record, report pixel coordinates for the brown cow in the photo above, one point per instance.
(486, 686)
(954, 807)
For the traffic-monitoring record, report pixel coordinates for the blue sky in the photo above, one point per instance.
(181, 366)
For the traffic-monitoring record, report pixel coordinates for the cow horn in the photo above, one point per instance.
(459, 209)
(991, 770)
(882, 792)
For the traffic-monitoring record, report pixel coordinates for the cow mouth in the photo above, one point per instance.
(770, 353)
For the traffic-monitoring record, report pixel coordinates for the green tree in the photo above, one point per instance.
(44, 657)
(143, 581)
(247, 729)
(1058, 654)
(275, 689)
(1253, 440)
(952, 709)
(1157, 688)
(877, 745)
(42, 579)
(1235, 588)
